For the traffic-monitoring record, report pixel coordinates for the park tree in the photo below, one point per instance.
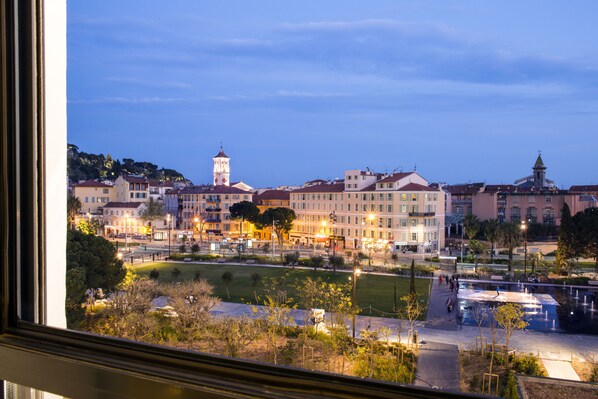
(291, 258)
(154, 210)
(193, 301)
(176, 272)
(568, 244)
(195, 248)
(73, 207)
(275, 313)
(510, 317)
(510, 237)
(471, 225)
(281, 220)
(336, 261)
(586, 223)
(412, 290)
(235, 334)
(316, 261)
(244, 211)
(491, 231)
(96, 256)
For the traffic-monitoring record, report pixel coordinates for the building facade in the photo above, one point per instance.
(132, 188)
(123, 219)
(93, 195)
(366, 209)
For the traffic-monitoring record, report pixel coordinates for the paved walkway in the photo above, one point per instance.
(560, 369)
(438, 315)
(437, 366)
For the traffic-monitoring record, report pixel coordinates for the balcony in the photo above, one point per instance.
(421, 214)
(212, 199)
(212, 209)
(213, 220)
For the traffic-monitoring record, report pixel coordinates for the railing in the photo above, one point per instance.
(212, 209)
(213, 199)
(421, 214)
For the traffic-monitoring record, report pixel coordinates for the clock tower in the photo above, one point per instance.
(221, 169)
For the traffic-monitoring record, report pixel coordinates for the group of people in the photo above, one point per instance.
(451, 281)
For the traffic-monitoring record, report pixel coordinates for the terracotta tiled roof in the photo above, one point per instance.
(584, 189)
(135, 179)
(212, 190)
(91, 183)
(272, 195)
(417, 187)
(395, 177)
(323, 188)
(221, 154)
(461, 189)
(157, 183)
(133, 205)
(500, 188)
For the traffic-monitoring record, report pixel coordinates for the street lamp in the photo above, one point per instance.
(126, 235)
(169, 227)
(356, 273)
(371, 218)
(524, 230)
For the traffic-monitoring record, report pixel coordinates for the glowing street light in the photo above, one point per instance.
(356, 273)
(524, 231)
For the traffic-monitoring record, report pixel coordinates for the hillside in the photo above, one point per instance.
(85, 166)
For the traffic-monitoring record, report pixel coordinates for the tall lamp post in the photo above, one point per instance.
(356, 273)
(371, 218)
(126, 233)
(524, 231)
(168, 217)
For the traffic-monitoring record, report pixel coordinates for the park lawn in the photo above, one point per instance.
(372, 290)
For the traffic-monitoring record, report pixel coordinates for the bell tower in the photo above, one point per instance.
(221, 169)
(539, 173)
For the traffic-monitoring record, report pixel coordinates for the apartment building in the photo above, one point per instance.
(270, 199)
(208, 206)
(93, 195)
(132, 188)
(124, 218)
(398, 211)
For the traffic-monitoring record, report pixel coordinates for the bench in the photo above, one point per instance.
(497, 278)
(593, 282)
(250, 261)
(220, 260)
(187, 260)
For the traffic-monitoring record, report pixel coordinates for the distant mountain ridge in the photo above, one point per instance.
(86, 166)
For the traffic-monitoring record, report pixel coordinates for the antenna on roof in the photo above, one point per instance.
(415, 167)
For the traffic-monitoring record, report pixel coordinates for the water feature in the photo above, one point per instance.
(542, 304)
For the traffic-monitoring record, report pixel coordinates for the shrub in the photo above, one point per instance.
(154, 274)
(527, 364)
(510, 391)
(291, 258)
(195, 248)
(182, 249)
(336, 260)
(255, 279)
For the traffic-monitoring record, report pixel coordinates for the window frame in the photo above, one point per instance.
(77, 364)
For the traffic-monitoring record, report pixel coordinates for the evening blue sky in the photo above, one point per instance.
(299, 90)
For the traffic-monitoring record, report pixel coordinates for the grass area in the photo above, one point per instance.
(372, 290)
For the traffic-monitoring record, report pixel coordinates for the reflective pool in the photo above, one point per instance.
(548, 308)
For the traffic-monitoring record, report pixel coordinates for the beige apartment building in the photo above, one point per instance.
(124, 218)
(209, 206)
(132, 188)
(533, 198)
(93, 195)
(398, 211)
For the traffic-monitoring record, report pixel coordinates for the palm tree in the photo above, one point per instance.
(471, 225)
(510, 237)
(73, 207)
(491, 230)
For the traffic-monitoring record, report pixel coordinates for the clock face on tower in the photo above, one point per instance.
(224, 180)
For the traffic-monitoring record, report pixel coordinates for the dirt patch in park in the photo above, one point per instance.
(543, 388)
(584, 370)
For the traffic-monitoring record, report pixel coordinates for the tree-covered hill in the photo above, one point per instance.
(84, 166)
